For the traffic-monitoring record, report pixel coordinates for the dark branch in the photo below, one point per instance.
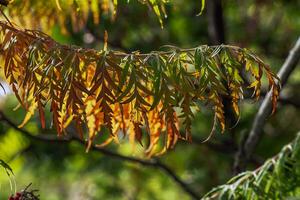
(216, 27)
(153, 163)
(290, 101)
(225, 146)
(246, 151)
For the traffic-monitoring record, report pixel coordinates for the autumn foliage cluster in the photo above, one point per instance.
(121, 92)
(117, 93)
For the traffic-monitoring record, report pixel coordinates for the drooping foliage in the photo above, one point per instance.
(124, 92)
(78, 11)
(277, 178)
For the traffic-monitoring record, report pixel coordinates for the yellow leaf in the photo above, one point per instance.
(29, 114)
(58, 5)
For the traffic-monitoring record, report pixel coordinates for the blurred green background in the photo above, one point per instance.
(64, 171)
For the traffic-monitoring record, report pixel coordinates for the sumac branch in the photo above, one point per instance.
(121, 92)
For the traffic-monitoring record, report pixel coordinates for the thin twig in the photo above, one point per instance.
(6, 18)
(47, 39)
(153, 163)
(246, 151)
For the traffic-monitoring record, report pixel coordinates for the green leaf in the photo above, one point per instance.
(202, 7)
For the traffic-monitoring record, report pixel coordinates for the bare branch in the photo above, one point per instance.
(246, 151)
(153, 163)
